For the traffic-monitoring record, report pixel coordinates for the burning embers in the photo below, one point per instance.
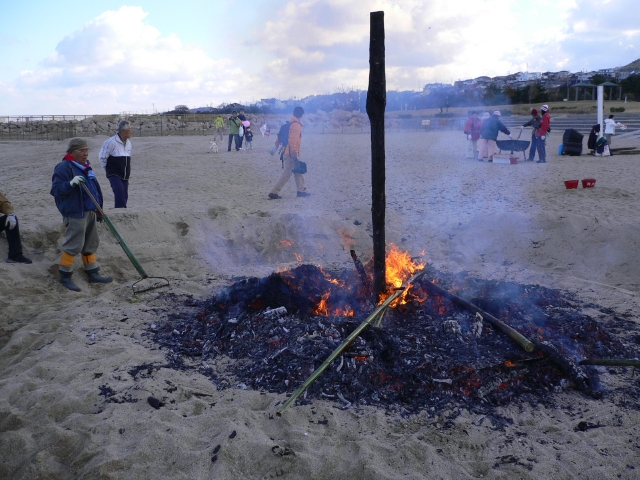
(428, 354)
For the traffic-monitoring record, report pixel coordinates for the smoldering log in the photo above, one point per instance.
(376, 103)
(568, 367)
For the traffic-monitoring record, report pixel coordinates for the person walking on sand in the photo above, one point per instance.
(290, 155)
(489, 134)
(610, 129)
(234, 130)
(10, 225)
(472, 130)
(541, 134)
(79, 213)
(115, 158)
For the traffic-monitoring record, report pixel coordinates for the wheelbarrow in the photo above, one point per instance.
(157, 282)
(516, 145)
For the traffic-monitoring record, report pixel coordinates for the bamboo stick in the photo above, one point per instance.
(318, 371)
(513, 334)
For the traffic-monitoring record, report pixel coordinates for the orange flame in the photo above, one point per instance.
(400, 267)
(298, 256)
(509, 363)
(323, 307)
(286, 243)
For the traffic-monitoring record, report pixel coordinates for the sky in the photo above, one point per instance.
(70, 57)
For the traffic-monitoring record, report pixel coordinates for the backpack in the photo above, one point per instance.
(283, 134)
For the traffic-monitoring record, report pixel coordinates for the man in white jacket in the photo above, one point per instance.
(115, 158)
(610, 128)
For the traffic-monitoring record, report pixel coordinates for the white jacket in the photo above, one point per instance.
(610, 126)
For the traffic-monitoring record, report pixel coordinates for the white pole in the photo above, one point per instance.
(601, 109)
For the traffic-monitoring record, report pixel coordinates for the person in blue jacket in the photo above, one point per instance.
(489, 134)
(79, 213)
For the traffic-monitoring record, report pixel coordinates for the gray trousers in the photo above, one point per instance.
(81, 236)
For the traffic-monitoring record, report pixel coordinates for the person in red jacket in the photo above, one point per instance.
(472, 130)
(541, 133)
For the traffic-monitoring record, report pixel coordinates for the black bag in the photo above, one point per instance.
(299, 167)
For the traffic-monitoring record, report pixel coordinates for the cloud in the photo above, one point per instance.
(117, 62)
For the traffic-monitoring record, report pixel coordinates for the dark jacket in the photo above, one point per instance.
(68, 198)
(491, 126)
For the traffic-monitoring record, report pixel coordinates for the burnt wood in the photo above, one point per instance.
(376, 104)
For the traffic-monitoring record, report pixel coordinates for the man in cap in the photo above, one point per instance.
(115, 158)
(10, 225)
(535, 123)
(541, 134)
(79, 213)
(234, 129)
(489, 134)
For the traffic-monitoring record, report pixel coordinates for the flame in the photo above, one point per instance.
(286, 243)
(509, 363)
(298, 256)
(399, 268)
(323, 306)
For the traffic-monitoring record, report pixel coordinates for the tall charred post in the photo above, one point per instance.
(376, 103)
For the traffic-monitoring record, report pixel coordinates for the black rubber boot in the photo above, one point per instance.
(95, 277)
(65, 280)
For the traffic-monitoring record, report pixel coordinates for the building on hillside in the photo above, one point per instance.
(528, 76)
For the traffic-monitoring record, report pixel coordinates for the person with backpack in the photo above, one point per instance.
(290, 137)
(234, 130)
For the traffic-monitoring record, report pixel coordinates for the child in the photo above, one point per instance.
(248, 137)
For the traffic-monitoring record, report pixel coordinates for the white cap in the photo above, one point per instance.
(544, 107)
(497, 113)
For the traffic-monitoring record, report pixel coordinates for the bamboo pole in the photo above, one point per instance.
(318, 371)
(513, 334)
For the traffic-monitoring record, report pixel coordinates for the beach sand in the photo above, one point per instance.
(202, 220)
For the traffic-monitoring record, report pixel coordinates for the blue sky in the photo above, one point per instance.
(69, 57)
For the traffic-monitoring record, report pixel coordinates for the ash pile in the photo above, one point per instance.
(428, 354)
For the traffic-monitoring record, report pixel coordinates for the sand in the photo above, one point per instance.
(202, 220)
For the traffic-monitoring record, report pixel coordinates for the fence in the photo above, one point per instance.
(61, 127)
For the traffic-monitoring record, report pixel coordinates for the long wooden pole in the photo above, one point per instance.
(376, 103)
(513, 334)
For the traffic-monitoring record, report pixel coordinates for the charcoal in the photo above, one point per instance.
(411, 363)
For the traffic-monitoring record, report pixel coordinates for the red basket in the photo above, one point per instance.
(588, 183)
(571, 183)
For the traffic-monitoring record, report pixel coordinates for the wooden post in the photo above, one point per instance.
(376, 103)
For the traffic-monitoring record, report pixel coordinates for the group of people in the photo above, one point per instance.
(239, 131)
(482, 134)
(79, 200)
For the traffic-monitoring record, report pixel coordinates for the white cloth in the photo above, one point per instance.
(114, 146)
(610, 126)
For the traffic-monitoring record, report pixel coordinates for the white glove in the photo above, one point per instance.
(76, 180)
(521, 127)
(468, 137)
(543, 137)
(11, 221)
